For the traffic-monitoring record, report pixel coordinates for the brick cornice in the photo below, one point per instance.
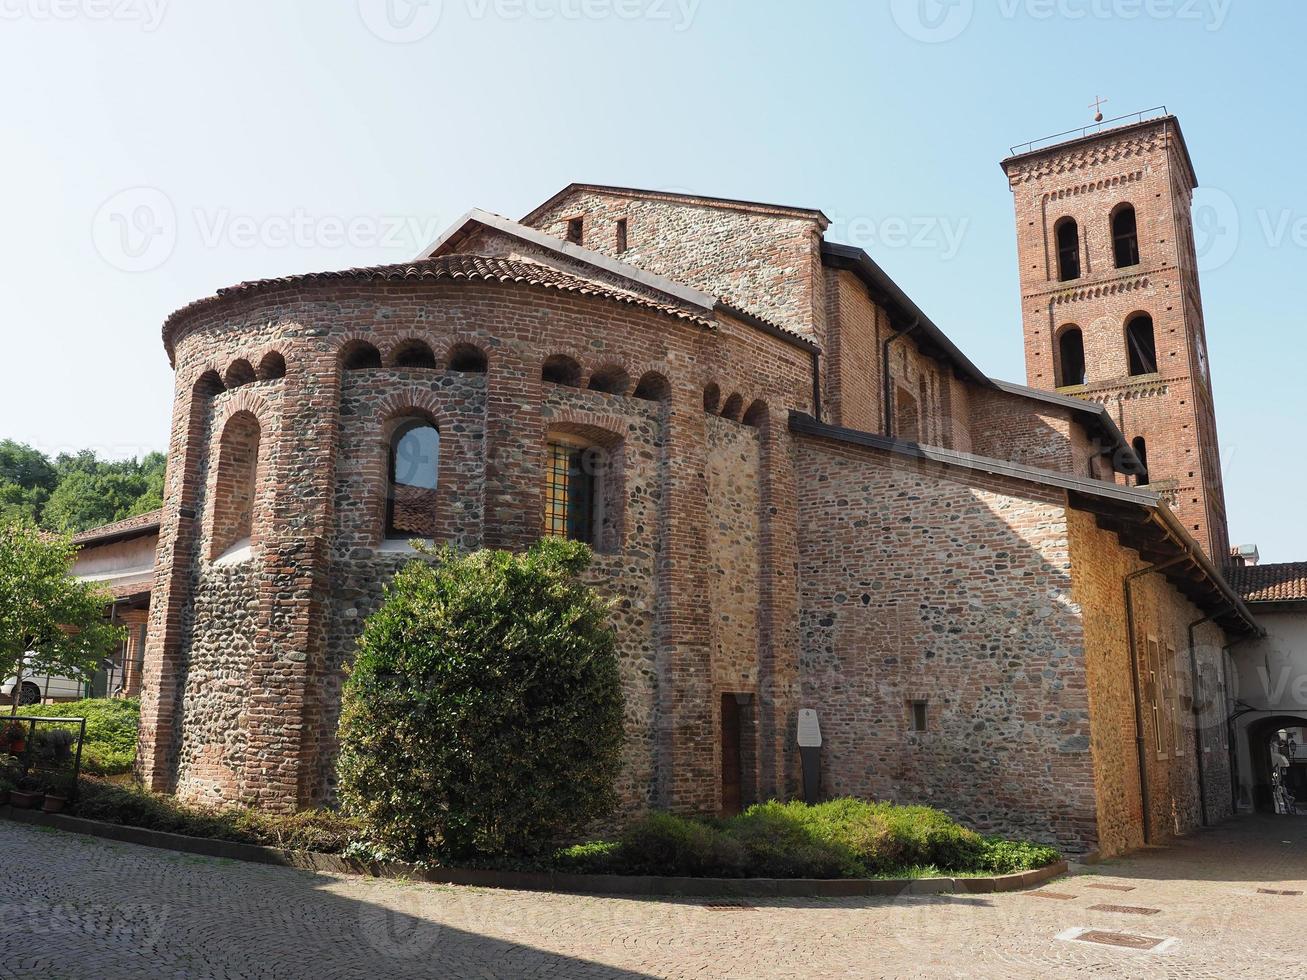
(1127, 283)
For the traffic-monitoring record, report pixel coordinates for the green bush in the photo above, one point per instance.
(844, 838)
(111, 729)
(482, 718)
(311, 830)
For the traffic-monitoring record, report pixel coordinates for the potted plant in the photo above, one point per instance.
(14, 737)
(27, 795)
(57, 791)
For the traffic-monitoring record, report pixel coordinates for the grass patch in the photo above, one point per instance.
(111, 729)
(308, 830)
(841, 839)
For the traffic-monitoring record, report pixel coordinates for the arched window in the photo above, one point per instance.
(239, 373)
(712, 397)
(467, 359)
(414, 472)
(733, 407)
(272, 367)
(1071, 357)
(573, 491)
(559, 369)
(653, 387)
(360, 355)
(415, 355)
(1068, 250)
(235, 486)
(611, 379)
(1142, 345)
(1125, 237)
(1141, 450)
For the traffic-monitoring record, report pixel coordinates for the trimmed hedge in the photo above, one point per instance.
(844, 838)
(310, 830)
(112, 725)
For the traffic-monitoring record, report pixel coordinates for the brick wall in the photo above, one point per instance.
(1099, 568)
(1147, 167)
(245, 656)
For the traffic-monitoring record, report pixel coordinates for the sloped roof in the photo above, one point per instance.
(1270, 583)
(485, 268)
(731, 203)
(130, 527)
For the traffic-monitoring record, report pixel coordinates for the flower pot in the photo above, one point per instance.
(54, 803)
(18, 746)
(23, 800)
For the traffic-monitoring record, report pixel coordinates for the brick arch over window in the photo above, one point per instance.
(208, 384)
(585, 464)
(733, 407)
(234, 487)
(653, 386)
(239, 372)
(272, 367)
(712, 397)
(357, 354)
(467, 358)
(1070, 356)
(425, 512)
(612, 379)
(559, 369)
(413, 354)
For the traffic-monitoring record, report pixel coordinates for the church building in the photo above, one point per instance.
(1008, 601)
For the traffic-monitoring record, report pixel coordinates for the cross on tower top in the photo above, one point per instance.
(1097, 106)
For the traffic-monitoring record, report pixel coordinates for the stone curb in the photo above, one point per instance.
(544, 881)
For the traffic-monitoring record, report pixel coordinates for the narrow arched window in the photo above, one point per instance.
(1142, 344)
(1140, 446)
(1125, 237)
(1071, 357)
(1068, 250)
(573, 492)
(236, 485)
(414, 472)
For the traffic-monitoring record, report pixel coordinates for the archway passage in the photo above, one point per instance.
(1262, 736)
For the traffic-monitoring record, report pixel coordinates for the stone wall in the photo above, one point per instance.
(1172, 734)
(949, 588)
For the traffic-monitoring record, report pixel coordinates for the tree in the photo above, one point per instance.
(482, 717)
(45, 612)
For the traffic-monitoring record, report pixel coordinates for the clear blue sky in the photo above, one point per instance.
(278, 137)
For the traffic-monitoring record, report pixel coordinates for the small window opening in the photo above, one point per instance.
(1071, 348)
(571, 492)
(621, 235)
(576, 230)
(1068, 250)
(918, 716)
(1125, 237)
(414, 470)
(1140, 446)
(1142, 344)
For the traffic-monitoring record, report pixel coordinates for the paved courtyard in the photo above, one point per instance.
(79, 908)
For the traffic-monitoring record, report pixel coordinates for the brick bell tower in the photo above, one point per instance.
(1111, 305)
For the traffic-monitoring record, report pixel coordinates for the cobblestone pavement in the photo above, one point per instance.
(78, 907)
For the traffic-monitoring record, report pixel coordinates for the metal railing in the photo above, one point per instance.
(39, 755)
(1157, 112)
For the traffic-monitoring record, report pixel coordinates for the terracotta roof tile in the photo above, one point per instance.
(128, 527)
(485, 268)
(1270, 583)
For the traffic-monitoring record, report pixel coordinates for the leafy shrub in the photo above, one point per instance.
(111, 730)
(1007, 856)
(482, 718)
(312, 830)
(844, 838)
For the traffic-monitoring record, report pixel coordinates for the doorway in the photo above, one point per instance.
(1262, 735)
